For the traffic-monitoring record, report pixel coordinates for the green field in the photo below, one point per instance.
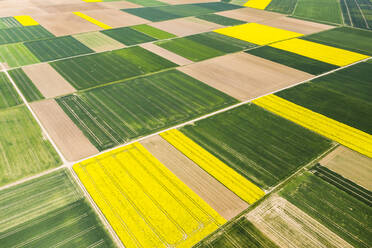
(262, 147)
(343, 96)
(9, 22)
(293, 60)
(20, 34)
(147, 3)
(346, 38)
(115, 114)
(24, 150)
(98, 41)
(319, 10)
(153, 32)
(16, 55)
(282, 6)
(222, 20)
(49, 211)
(340, 212)
(239, 233)
(357, 13)
(204, 46)
(25, 85)
(97, 69)
(8, 95)
(57, 48)
(128, 36)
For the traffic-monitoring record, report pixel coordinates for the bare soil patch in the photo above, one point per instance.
(250, 15)
(221, 199)
(186, 1)
(244, 76)
(296, 25)
(351, 165)
(186, 26)
(49, 82)
(67, 136)
(289, 226)
(65, 24)
(120, 5)
(68, 8)
(175, 58)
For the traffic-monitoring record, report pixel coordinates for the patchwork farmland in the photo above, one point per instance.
(185, 123)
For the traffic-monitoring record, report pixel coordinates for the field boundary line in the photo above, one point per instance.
(364, 18)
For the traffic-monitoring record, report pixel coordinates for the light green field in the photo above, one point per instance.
(319, 10)
(98, 41)
(24, 150)
(16, 55)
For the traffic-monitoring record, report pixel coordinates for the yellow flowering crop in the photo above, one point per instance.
(146, 204)
(92, 20)
(343, 134)
(257, 4)
(257, 33)
(223, 173)
(328, 54)
(26, 20)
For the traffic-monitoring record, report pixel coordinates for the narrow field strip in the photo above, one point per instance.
(257, 33)
(223, 173)
(324, 53)
(26, 20)
(92, 20)
(145, 203)
(257, 4)
(343, 134)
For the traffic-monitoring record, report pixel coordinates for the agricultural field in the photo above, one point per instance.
(357, 13)
(97, 69)
(20, 34)
(239, 233)
(117, 113)
(128, 36)
(25, 151)
(282, 6)
(153, 32)
(98, 42)
(49, 211)
(8, 95)
(221, 20)
(328, 11)
(9, 22)
(338, 211)
(164, 211)
(250, 141)
(16, 55)
(25, 85)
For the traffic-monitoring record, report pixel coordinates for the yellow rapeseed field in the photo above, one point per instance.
(257, 33)
(92, 20)
(26, 20)
(215, 167)
(343, 134)
(146, 204)
(257, 4)
(328, 54)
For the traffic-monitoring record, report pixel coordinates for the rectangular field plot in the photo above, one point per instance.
(293, 60)
(25, 85)
(57, 48)
(357, 13)
(24, 150)
(239, 233)
(8, 95)
(49, 211)
(114, 114)
(251, 141)
(15, 55)
(128, 36)
(98, 42)
(341, 213)
(163, 211)
(257, 4)
(286, 224)
(153, 32)
(282, 6)
(20, 34)
(221, 20)
(97, 69)
(319, 10)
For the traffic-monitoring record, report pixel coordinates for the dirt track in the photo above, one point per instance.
(244, 76)
(66, 135)
(221, 199)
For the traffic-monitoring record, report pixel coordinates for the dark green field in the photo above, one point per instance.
(340, 212)
(239, 233)
(115, 114)
(357, 13)
(343, 96)
(222, 20)
(128, 36)
(346, 38)
(8, 95)
(24, 149)
(153, 32)
(282, 6)
(319, 10)
(262, 147)
(20, 34)
(57, 48)
(97, 69)
(9, 22)
(49, 212)
(293, 60)
(25, 85)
